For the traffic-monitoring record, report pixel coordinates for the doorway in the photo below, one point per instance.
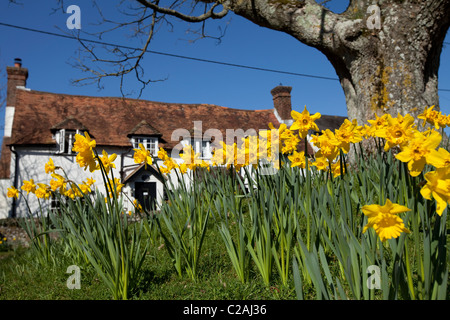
(145, 193)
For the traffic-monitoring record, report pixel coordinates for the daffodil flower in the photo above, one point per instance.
(84, 146)
(43, 192)
(417, 150)
(398, 132)
(12, 192)
(107, 161)
(438, 188)
(385, 220)
(49, 166)
(303, 122)
(29, 186)
(298, 159)
(439, 158)
(142, 155)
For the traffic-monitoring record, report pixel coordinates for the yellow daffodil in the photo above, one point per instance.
(336, 169)
(85, 188)
(417, 150)
(250, 148)
(43, 192)
(347, 134)
(398, 132)
(29, 186)
(439, 158)
(49, 166)
(327, 144)
(219, 156)
(168, 165)
(137, 206)
(290, 142)
(438, 187)
(183, 168)
(366, 131)
(162, 154)
(57, 183)
(287, 137)
(298, 159)
(377, 124)
(385, 220)
(86, 160)
(114, 187)
(107, 161)
(230, 153)
(429, 116)
(83, 143)
(90, 181)
(190, 158)
(321, 163)
(440, 121)
(303, 122)
(84, 146)
(274, 134)
(12, 192)
(70, 193)
(142, 155)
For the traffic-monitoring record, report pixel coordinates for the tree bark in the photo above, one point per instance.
(393, 69)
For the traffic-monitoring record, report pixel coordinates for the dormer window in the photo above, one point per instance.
(203, 147)
(65, 139)
(150, 143)
(64, 134)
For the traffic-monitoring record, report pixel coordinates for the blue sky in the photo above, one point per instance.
(47, 59)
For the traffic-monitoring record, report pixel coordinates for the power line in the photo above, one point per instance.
(167, 54)
(176, 55)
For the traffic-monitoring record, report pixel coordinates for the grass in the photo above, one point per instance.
(317, 229)
(22, 278)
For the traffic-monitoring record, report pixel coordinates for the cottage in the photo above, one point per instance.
(42, 125)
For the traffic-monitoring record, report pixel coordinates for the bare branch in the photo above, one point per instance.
(123, 64)
(210, 14)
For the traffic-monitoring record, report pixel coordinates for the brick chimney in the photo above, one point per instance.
(282, 102)
(17, 77)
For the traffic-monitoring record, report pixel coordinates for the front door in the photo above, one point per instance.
(146, 194)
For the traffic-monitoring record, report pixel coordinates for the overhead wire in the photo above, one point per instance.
(177, 55)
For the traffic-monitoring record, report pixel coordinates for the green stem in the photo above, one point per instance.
(308, 196)
(408, 271)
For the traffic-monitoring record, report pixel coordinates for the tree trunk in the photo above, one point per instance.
(393, 68)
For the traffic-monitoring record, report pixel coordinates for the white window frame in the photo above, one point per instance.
(150, 143)
(61, 141)
(205, 151)
(55, 204)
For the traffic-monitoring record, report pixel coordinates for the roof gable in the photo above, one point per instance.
(69, 123)
(143, 128)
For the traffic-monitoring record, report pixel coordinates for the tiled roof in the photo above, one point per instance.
(110, 120)
(143, 128)
(329, 122)
(70, 123)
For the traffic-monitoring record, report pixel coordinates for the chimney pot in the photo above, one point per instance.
(18, 63)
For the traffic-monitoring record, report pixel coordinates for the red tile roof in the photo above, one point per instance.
(110, 120)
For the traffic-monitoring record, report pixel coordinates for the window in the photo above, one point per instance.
(149, 143)
(206, 153)
(202, 147)
(65, 139)
(55, 205)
